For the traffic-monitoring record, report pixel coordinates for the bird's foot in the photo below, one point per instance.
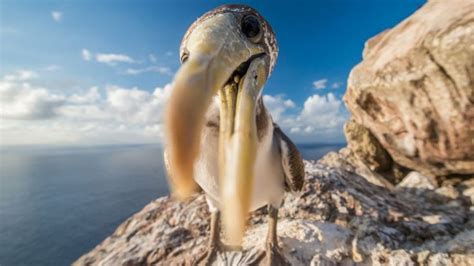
(272, 256)
(208, 257)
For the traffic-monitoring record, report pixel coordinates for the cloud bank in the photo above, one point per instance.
(32, 114)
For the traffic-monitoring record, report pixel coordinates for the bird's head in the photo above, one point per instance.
(229, 52)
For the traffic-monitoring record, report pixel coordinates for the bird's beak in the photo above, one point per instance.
(221, 61)
(238, 144)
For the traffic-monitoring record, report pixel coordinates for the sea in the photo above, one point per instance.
(57, 203)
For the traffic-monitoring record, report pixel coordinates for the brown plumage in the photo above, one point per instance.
(292, 161)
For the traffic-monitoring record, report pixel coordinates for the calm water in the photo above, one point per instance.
(58, 203)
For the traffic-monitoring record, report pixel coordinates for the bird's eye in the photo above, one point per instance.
(251, 28)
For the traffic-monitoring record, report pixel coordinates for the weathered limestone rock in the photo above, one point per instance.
(414, 89)
(366, 147)
(346, 159)
(416, 180)
(339, 218)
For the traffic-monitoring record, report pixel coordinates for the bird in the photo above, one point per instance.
(220, 137)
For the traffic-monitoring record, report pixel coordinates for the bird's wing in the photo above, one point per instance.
(291, 161)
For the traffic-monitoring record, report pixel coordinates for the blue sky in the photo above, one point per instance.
(91, 72)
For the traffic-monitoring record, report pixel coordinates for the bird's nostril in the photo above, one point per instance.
(184, 57)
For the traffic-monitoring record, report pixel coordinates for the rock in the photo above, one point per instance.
(448, 192)
(417, 181)
(339, 218)
(414, 89)
(460, 260)
(345, 159)
(366, 147)
(320, 260)
(422, 257)
(400, 258)
(440, 259)
(469, 193)
(468, 183)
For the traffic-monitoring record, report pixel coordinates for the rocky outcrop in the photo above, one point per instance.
(339, 217)
(366, 147)
(414, 89)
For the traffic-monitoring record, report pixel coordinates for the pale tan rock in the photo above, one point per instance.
(463, 260)
(469, 193)
(414, 89)
(448, 192)
(400, 258)
(380, 226)
(417, 181)
(440, 259)
(422, 257)
(346, 160)
(366, 147)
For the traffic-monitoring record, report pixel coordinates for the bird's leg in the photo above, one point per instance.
(272, 253)
(214, 243)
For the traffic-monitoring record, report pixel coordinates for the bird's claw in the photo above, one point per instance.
(272, 256)
(208, 257)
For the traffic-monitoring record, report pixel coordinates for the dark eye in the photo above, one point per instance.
(251, 27)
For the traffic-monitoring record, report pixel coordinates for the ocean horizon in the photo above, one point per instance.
(58, 202)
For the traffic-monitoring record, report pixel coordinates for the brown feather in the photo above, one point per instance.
(291, 160)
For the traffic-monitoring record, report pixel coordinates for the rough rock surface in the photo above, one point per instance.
(414, 89)
(346, 159)
(366, 147)
(339, 217)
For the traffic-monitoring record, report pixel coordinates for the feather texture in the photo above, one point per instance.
(291, 161)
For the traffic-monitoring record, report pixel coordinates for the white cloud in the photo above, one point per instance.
(86, 55)
(322, 111)
(57, 16)
(320, 84)
(109, 59)
(31, 114)
(152, 58)
(113, 59)
(320, 119)
(21, 75)
(336, 85)
(154, 69)
(52, 68)
(137, 106)
(277, 105)
(20, 100)
(91, 96)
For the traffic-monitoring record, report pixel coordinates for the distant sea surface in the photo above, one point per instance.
(57, 203)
